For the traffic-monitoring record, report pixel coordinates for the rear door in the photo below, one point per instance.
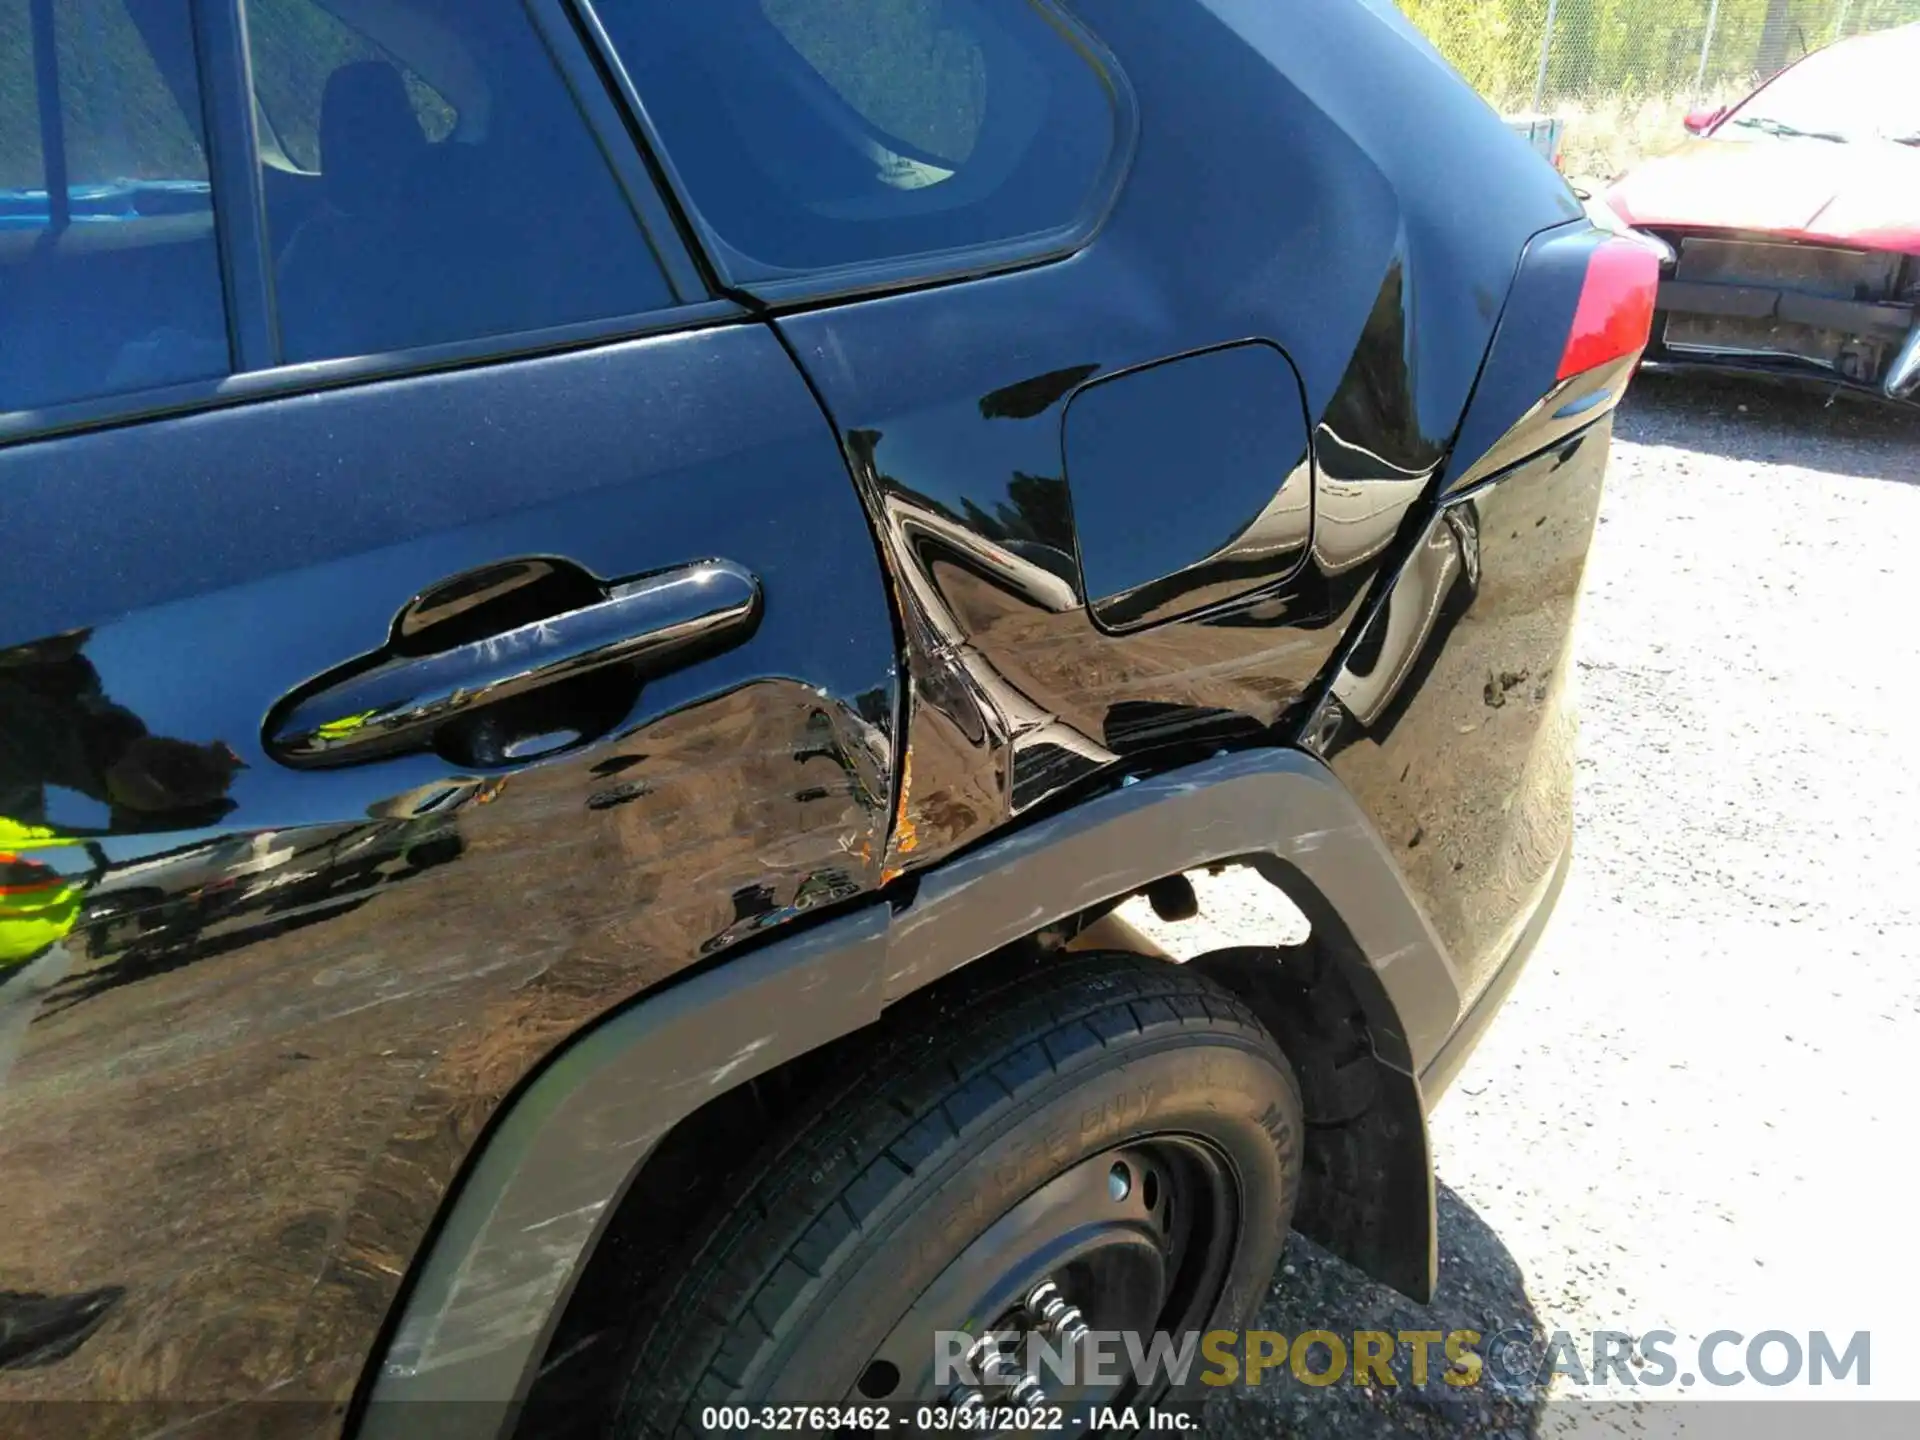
(427, 619)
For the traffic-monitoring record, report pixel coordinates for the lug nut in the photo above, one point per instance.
(1027, 1393)
(1049, 1309)
(997, 1367)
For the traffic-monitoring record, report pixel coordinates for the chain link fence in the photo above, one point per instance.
(1621, 74)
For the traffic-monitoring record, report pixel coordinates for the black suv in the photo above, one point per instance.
(601, 600)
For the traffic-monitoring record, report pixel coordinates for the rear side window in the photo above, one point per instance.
(429, 179)
(109, 275)
(296, 47)
(814, 136)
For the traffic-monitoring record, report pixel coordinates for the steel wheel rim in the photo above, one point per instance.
(1139, 1237)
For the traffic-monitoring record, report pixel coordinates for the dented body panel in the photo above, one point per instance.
(328, 1094)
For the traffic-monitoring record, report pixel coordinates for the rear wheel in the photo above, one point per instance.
(1104, 1144)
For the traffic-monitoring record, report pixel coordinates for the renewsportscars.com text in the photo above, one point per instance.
(1517, 1361)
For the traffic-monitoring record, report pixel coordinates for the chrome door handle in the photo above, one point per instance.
(652, 623)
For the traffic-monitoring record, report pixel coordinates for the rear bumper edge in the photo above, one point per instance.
(1453, 1052)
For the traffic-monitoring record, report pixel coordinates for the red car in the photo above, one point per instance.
(1792, 223)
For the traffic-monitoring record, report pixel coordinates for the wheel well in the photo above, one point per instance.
(1366, 1190)
(694, 1168)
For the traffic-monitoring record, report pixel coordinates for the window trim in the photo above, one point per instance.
(225, 65)
(53, 122)
(309, 377)
(223, 68)
(578, 64)
(875, 277)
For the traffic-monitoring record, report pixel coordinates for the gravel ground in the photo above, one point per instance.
(1690, 1115)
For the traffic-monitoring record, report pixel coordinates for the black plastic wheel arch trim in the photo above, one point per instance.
(517, 1233)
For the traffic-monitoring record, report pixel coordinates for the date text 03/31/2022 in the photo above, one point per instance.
(931, 1419)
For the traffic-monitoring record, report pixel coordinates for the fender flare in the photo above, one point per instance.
(518, 1231)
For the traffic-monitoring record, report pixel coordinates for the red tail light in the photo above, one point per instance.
(1615, 313)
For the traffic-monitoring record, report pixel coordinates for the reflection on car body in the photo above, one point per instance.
(608, 595)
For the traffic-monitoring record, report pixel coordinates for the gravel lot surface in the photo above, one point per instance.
(1692, 1113)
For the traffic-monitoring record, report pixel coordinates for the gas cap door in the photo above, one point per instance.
(1191, 482)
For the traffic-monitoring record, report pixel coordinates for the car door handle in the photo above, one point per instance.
(400, 703)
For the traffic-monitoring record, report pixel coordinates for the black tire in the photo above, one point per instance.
(956, 1117)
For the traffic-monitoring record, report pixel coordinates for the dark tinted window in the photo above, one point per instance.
(429, 179)
(109, 277)
(813, 135)
(296, 46)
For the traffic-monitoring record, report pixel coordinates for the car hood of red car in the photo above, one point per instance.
(1863, 193)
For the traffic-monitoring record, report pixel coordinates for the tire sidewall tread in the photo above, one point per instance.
(1172, 1044)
